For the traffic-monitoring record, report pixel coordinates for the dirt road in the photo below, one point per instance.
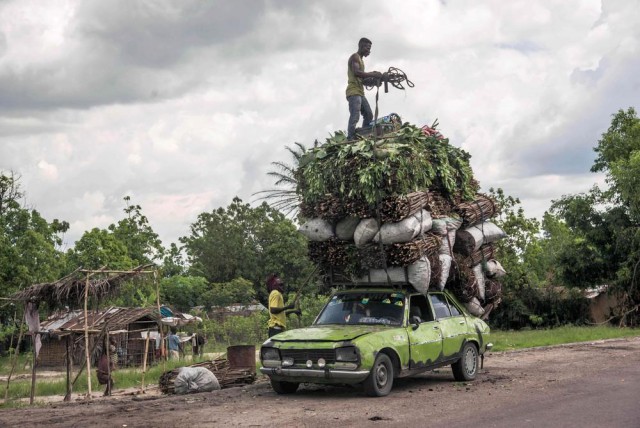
(587, 385)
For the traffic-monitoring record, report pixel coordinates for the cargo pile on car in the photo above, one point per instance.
(403, 207)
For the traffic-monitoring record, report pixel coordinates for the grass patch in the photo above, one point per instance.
(509, 340)
(123, 378)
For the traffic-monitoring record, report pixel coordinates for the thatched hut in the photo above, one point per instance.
(128, 325)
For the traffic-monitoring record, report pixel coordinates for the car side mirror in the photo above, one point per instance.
(415, 322)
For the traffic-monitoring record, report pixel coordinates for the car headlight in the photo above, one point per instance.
(270, 354)
(347, 353)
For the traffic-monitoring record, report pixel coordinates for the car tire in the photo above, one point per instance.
(380, 380)
(282, 387)
(466, 368)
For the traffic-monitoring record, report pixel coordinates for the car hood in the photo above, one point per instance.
(327, 333)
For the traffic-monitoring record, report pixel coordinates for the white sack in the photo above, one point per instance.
(439, 226)
(346, 228)
(396, 275)
(495, 269)
(365, 231)
(479, 275)
(418, 274)
(195, 379)
(402, 231)
(317, 229)
(445, 262)
(425, 219)
(483, 233)
(451, 225)
(474, 307)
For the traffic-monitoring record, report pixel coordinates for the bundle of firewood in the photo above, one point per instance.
(403, 254)
(395, 208)
(481, 209)
(226, 375)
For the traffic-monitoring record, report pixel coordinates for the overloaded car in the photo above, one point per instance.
(371, 336)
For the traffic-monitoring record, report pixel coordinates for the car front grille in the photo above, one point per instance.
(301, 356)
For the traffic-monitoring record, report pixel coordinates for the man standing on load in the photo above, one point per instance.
(355, 88)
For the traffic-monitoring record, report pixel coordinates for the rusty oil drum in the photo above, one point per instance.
(242, 357)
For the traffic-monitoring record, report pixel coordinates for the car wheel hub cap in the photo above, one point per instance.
(470, 361)
(381, 375)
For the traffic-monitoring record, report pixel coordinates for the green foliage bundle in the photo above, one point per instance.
(371, 169)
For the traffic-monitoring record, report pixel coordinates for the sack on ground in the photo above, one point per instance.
(317, 229)
(195, 379)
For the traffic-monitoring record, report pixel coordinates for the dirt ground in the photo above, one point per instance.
(589, 384)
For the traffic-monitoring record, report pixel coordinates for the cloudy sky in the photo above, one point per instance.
(183, 105)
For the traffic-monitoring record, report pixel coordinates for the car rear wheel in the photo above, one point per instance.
(380, 380)
(282, 387)
(466, 368)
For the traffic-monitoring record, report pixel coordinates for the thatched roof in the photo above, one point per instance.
(117, 318)
(70, 290)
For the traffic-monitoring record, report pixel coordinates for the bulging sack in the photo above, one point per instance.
(495, 269)
(445, 263)
(346, 228)
(479, 275)
(474, 307)
(195, 379)
(418, 274)
(317, 229)
(400, 232)
(472, 238)
(365, 231)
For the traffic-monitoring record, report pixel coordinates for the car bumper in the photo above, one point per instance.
(338, 376)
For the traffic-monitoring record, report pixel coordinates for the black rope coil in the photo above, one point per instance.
(394, 76)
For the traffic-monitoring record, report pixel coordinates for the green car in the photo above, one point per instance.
(372, 336)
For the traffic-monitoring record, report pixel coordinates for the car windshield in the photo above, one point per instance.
(364, 308)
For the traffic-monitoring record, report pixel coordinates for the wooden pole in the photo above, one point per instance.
(162, 348)
(144, 361)
(69, 361)
(107, 351)
(16, 352)
(33, 368)
(86, 337)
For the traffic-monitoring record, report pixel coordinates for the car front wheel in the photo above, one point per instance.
(466, 368)
(380, 380)
(282, 387)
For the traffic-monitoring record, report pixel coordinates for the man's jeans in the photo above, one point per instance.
(357, 105)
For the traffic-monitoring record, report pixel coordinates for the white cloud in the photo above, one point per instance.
(184, 105)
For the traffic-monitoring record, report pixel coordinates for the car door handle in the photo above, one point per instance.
(435, 327)
(461, 322)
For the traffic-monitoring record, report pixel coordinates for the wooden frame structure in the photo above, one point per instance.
(75, 290)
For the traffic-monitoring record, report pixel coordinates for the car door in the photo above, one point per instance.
(452, 323)
(425, 342)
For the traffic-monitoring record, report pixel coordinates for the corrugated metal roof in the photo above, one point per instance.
(118, 318)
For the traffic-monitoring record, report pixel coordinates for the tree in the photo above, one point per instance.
(284, 195)
(606, 238)
(135, 232)
(245, 242)
(619, 158)
(29, 245)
